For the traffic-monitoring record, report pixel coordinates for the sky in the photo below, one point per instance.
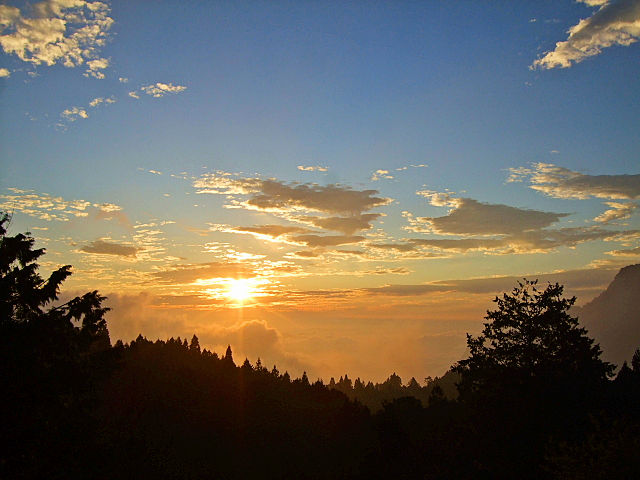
(335, 187)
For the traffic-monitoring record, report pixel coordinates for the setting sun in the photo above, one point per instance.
(240, 289)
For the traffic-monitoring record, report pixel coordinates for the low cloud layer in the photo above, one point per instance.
(615, 23)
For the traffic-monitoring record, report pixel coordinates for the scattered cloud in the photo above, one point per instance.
(134, 95)
(4, 73)
(102, 247)
(312, 168)
(73, 113)
(68, 32)
(161, 89)
(614, 23)
(123, 79)
(560, 182)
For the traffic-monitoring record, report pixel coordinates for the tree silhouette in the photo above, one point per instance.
(531, 338)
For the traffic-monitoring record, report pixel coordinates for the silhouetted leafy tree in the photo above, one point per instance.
(50, 359)
(531, 338)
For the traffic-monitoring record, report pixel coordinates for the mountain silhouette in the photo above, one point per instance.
(613, 317)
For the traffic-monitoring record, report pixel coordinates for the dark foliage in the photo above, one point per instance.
(535, 401)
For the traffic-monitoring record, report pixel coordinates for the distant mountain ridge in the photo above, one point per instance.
(613, 317)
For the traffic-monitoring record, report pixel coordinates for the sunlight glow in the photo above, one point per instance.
(240, 289)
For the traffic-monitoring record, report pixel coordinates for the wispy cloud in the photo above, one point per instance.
(560, 182)
(57, 31)
(615, 23)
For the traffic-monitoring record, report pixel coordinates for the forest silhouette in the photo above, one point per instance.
(532, 400)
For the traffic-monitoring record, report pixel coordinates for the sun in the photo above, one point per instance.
(240, 289)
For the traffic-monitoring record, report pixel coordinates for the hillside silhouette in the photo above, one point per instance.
(534, 400)
(613, 317)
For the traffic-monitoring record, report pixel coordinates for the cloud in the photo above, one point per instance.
(269, 231)
(102, 247)
(73, 113)
(95, 68)
(379, 174)
(346, 225)
(189, 273)
(587, 279)
(313, 168)
(4, 73)
(134, 95)
(327, 240)
(69, 32)
(440, 199)
(615, 23)
(470, 217)
(618, 211)
(275, 196)
(161, 89)
(630, 252)
(48, 207)
(100, 100)
(560, 182)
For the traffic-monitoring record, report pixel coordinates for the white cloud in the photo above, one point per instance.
(160, 89)
(134, 95)
(73, 113)
(123, 79)
(561, 182)
(69, 32)
(4, 73)
(615, 23)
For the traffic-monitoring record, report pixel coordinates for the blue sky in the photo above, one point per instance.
(349, 160)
